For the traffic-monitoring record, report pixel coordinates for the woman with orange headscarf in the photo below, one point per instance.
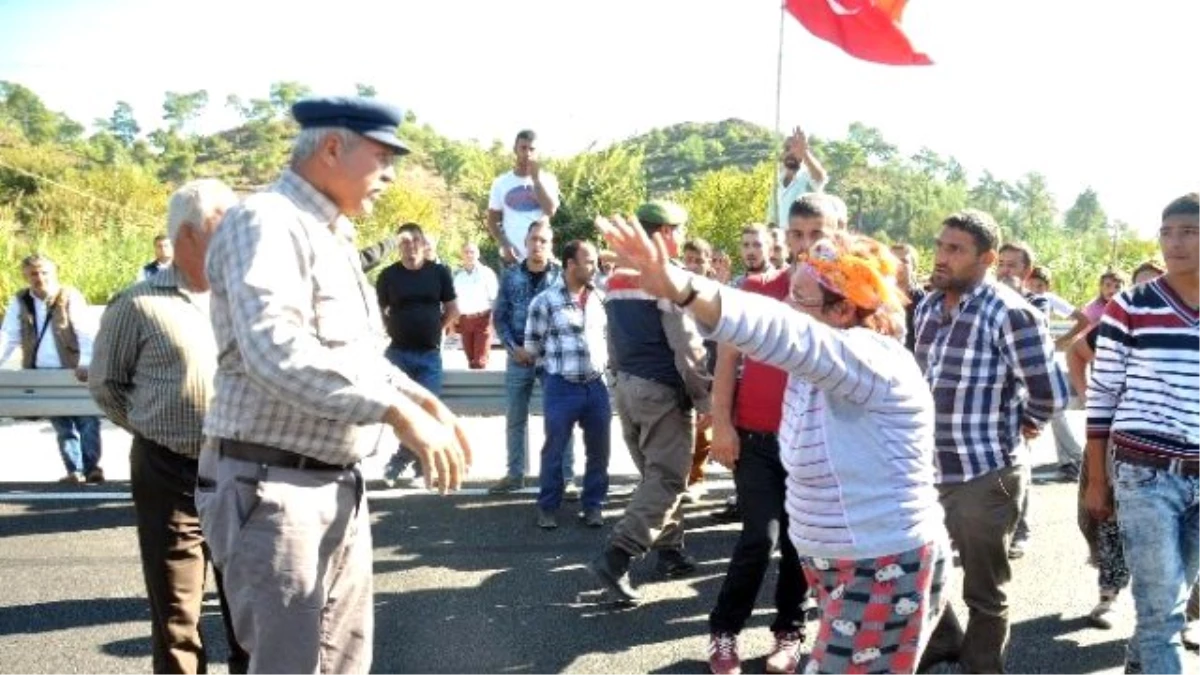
(856, 438)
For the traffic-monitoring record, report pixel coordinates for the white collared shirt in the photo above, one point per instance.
(476, 289)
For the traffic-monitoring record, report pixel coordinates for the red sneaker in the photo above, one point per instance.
(723, 654)
(785, 657)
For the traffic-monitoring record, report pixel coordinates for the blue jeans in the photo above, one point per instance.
(425, 368)
(78, 442)
(1160, 531)
(567, 403)
(518, 388)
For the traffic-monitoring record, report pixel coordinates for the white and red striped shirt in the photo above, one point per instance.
(1144, 388)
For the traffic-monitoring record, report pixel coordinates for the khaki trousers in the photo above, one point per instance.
(295, 549)
(658, 431)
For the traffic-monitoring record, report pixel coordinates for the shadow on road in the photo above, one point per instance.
(42, 516)
(1043, 638)
(528, 603)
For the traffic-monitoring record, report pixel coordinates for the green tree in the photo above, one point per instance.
(121, 124)
(722, 202)
(20, 105)
(596, 183)
(179, 110)
(1086, 214)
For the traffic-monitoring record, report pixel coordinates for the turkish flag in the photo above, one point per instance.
(865, 29)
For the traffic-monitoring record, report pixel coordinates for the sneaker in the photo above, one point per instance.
(1189, 636)
(723, 654)
(95, 476)
(570, 492)
(1101, 615)
(592, 518)
(1016, 550)
(785, 656)
(506, 485)
(72, 479)
(612, 568)
(1068, 473)
(674, 563)
(546, 520)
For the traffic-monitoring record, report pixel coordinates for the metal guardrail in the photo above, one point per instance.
(52, 393)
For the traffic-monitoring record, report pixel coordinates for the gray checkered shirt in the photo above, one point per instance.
(153, 362)
(300, 341)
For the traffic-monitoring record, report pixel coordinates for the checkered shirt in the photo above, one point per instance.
(569, 338)
(299, 336)
(990, 363)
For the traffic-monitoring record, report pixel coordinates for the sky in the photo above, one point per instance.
(1088, 92)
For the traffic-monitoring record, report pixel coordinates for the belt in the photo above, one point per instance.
(265, 454)
(477, 315)
(1185, 467)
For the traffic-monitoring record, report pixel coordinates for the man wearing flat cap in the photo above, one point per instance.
(301, 393)
(662, 380)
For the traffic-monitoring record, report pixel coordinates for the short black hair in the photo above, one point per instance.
(979, 224)
(1041, 274)
(571, 249)
(1022, 248)
(411, 228)
(810, 205)
(1187, 205)
(525, 135)
(161, 237)
(1117, 275)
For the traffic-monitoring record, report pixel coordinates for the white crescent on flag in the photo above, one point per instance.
(839, 8)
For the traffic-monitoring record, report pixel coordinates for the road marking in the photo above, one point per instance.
(394, 493)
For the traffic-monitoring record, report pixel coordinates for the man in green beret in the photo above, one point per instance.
(661, 383)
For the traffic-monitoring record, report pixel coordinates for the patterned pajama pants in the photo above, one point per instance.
(876, 614)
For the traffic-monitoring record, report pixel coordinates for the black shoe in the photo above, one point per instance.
(674, 563)
(612, 568)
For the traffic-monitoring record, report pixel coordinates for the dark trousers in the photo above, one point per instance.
(566, 404)
(760, 481)
(981, 517)
(476, 332)
(174, 560)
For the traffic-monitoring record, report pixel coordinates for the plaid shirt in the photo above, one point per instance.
(299, 337)
(990, 363)
(569, 338)
(154, 360)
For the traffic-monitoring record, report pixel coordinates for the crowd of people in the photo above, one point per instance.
(878, 428)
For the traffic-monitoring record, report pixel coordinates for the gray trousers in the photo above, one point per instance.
(294, 547)
(658, 432)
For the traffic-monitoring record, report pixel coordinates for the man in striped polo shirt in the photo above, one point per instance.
(152, 372)
(1143, 402)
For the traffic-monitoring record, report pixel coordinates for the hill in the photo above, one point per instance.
(676, 156)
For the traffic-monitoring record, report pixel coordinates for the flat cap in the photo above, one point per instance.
(368, 117)
(661, 212)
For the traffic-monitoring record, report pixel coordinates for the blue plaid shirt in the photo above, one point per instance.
(512, 302)
(990, 363)
(567, 336)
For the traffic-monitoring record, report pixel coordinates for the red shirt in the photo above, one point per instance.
(758, 403)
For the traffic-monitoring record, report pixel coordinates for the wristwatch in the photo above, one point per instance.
(690, 293)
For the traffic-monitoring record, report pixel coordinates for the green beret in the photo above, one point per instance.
(660, 212)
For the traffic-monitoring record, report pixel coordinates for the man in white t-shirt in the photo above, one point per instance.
(476, 286)
(794, 180)
(519, 198)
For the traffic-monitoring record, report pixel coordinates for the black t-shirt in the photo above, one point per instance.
(915, 296)
(412, 304)
(535, 278)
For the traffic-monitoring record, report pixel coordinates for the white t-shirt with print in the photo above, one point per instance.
(515, 198)
(780, 203)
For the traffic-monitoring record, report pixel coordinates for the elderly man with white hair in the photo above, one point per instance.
(152, 373)
(302, 390)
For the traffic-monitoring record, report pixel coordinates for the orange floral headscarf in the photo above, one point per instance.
(858, 268)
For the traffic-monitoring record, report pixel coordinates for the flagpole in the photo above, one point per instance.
(779, 67)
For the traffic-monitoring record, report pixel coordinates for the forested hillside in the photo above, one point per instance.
(92, 196)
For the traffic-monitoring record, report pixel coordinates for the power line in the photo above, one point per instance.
(149, 219)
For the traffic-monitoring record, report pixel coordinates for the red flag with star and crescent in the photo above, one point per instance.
(865, 29)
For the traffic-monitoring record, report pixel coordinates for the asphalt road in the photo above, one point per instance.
(468, 584)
